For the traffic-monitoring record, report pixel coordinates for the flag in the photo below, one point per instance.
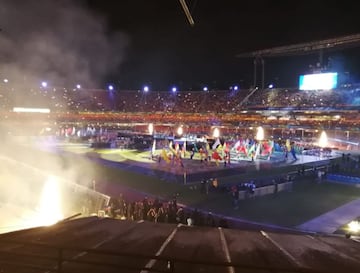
(153, 147)
(251, 150)
(171, 148)
(266, 148)
(237, 144)
(216, 156)
(184, 149)
(226, 148)
(242, 149)
(207, 146)
(165, 156)
(288, 146)
(217, 142)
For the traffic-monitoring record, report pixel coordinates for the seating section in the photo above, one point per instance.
(219, 101)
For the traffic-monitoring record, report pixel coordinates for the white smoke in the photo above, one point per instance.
(61, 41)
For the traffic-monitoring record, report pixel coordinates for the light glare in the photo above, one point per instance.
(151, 128)
(31, 110)
(216, 133)
(260, 133)
(180, 130)
(323, 140)
(49, 209)
(354, 226)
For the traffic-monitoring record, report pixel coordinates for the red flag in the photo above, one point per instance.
(216, 156)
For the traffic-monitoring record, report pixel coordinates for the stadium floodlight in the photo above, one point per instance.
(180, 130)
(31, 110)
(6, 80)
(323, 140)
(174, 89)
(205, 88)
(146, 88)
(78, 86)
(110, 87)
(44, 84)
(216, 133)
(271, 85)
(260, 134)
(236, 88)
(151, 128)
(354, 226)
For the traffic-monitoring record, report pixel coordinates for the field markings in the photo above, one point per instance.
(151, 262)
(225, 248)
(283, 250)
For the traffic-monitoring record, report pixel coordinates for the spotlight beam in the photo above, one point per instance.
(187, 12)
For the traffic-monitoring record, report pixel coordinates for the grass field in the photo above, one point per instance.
(307, 200)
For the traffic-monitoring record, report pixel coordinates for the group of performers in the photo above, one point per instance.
(243, 149)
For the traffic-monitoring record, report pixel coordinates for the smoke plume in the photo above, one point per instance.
(62, 42)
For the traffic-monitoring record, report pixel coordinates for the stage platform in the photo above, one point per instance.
(192, 170)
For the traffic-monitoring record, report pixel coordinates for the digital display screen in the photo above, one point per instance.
(322, 81)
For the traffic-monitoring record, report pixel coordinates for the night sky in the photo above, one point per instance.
(164, 49)
(158, 47)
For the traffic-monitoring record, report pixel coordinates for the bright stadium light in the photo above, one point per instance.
(271, 86)
(323, 140)
(110, 87)
(78, 86)
(236, 88)
(354, 226)
(216, 133)
(31, 110)
(146, 88)
(6, 80)
(174, 89)
(259, 134)
(180, 130)
(205, 88)
(44, 84)
(151, 128)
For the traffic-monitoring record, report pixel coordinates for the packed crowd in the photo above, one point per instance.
(219, 101)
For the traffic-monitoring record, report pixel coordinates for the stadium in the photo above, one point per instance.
(239, 180)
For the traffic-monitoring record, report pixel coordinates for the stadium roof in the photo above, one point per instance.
(305, 48)
(107, 245)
